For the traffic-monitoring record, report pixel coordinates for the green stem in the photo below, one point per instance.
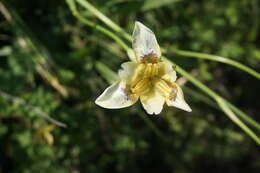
(218, 59)
(73, 8)
(104, 18)
(196, 82)
(201, 97)
(216, 97)
(244, 116)
(233, 117)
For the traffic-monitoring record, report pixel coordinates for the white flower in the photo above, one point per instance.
(148, 78)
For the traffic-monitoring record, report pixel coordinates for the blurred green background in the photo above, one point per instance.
(48, 66)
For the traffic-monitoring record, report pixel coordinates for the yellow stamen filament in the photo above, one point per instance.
(139, 71)
(144, 78)
(138, 75)
(151, 70)
(163, 87)
(148, 70)
(154, 70)
(141, 86)
(135, 82)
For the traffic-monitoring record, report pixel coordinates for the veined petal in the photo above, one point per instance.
(144, 42)
(152, 102)
(169, 72)
(128, 70)
(179, 101)
(115, 97)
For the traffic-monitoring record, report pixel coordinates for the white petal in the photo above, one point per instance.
(114, 97)
(128, 70)
(152, 102)
(179, 101)
(170, 73)
(144, 41)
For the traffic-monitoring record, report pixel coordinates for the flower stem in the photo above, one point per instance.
(218, 59)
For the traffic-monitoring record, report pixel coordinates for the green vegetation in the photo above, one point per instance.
(56, 57)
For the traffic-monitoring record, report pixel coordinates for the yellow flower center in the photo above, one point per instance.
(149, 76)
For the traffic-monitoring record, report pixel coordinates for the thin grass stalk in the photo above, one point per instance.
(218, 59)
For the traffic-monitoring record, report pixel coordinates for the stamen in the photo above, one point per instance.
(141, 86)
(138, 74)
(135, 81)
(163, 87)
(148, 70)
(154, 70)
(144, 79)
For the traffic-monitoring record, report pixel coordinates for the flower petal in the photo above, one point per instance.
(179, 101)
(127, 71)
(144, 42)
(169, 72)
(114, 97)
(152, 102)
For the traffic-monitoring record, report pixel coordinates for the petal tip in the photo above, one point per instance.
(153, 103)
(141, 27)
(188, 109)
(138, 23)
(184, 106)
(114, 97)
(99, 103)
(153, 113)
